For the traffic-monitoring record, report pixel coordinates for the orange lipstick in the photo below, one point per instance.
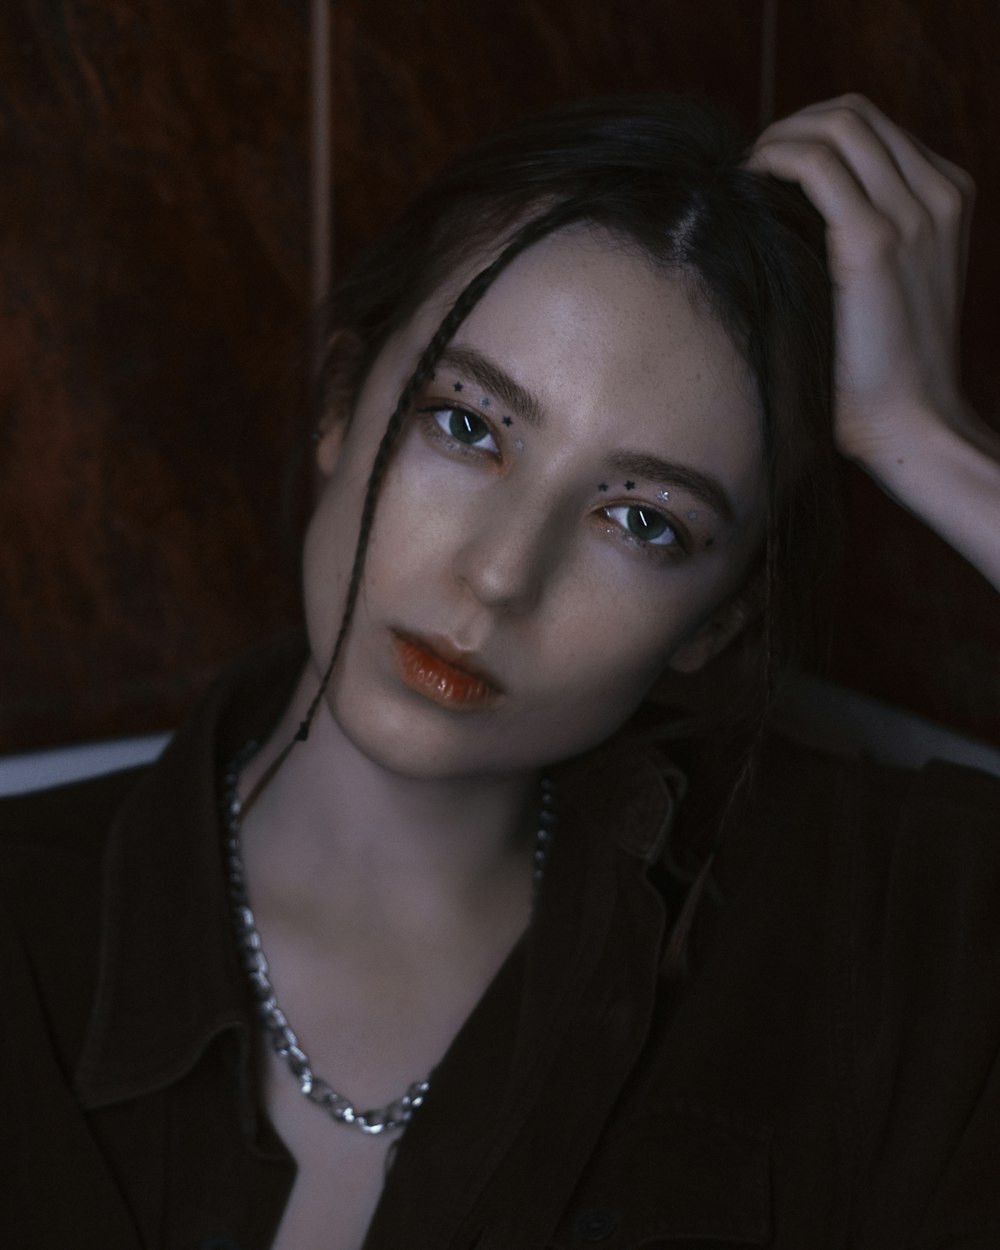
(443, 681)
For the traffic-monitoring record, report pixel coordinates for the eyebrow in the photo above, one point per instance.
(493, 379)
(665, 473)
(520, 401)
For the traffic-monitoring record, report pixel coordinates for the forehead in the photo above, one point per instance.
(619, 352)
(584, 289)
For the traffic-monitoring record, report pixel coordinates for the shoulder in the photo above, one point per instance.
(942, 811)
(50, 839)
(52, 851)
(910, 868)
(72, 817)
(910, 860)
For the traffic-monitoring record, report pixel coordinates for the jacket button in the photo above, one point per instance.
(219, 1241)
(596, 1224)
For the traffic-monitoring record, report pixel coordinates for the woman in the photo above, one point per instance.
(605, 344)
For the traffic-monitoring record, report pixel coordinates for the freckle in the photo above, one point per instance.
(457, 386)
(899, 462)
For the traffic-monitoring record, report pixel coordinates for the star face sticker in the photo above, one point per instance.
(630, 485)
(692, 516)
(519, 444)
(507, 421)
(602, 486)
(457, 386)
(664, 495)
(484, 402)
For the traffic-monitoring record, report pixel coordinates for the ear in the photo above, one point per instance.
(343, 349)
(330, 439)
(719, 630)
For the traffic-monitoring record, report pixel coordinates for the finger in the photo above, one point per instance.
(933, 177)
(830, 184)
(944, 188)
(966, 186)
(946, 191)
(856, 144)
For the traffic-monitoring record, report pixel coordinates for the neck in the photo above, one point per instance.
(338, 837)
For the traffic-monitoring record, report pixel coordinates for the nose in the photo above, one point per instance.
(505, 559)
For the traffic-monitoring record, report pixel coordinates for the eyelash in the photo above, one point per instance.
(681, 544)
(437, 430)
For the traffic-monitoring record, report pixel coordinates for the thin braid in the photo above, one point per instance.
(563, 214)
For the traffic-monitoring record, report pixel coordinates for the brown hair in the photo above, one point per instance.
(665, 174)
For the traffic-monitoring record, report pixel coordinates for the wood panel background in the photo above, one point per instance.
(155, 273)
(915, 624)
(152, 276)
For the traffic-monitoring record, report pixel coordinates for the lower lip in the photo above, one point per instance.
(438, 680)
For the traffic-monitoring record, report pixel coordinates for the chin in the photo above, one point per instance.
(416, 743)
(414, 737)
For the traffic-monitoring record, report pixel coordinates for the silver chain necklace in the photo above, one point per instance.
(396, 1114)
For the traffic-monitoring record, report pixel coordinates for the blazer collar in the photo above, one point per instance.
(169, 980)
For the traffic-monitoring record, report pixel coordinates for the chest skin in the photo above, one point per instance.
(340, 1170)
(372, 1026)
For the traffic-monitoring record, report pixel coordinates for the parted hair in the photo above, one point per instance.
(666, 176)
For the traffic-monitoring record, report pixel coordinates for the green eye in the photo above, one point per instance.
(459, 425)
(647, 527)
(466, 427)
(646, 524)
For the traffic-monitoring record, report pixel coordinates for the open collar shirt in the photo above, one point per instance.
(825, 1076)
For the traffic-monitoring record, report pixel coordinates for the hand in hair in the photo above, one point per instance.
(897, 218)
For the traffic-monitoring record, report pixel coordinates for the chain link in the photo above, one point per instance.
(396, 1114)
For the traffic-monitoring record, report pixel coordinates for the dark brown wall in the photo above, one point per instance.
(152, 265)
(154, 279)
(915, 624)
(414, 83)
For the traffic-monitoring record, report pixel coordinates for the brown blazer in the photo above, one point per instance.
(825, 1077)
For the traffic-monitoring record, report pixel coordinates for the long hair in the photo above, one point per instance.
(666, 176)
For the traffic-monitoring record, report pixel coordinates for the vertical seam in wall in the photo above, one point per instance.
(320, 169)
(768, 60)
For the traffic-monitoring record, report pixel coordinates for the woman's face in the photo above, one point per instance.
(573, 505)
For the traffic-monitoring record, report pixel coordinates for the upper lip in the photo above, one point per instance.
(452, 654)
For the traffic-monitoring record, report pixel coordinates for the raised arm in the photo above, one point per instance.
(897, 220)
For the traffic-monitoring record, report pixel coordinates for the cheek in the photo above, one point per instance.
(407, 527)
(327, 556)
(601, 662)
